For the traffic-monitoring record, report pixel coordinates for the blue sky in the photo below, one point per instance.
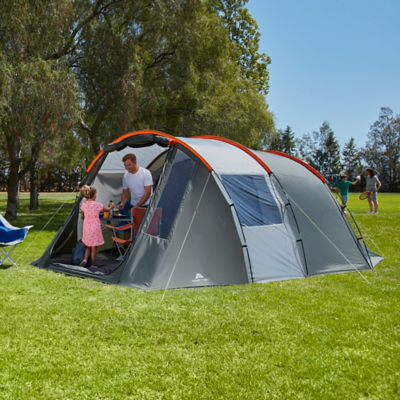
(332, 60)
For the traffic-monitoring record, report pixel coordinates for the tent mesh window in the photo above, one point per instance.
(173, 192)
(253, 200)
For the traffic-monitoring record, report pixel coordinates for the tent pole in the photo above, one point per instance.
(369, 261)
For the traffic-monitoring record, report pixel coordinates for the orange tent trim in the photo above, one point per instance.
(173, 141)
(304, 164)
(94, 161)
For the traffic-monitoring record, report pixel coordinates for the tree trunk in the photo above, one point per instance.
(15, 177)
(12, 194)
(13, 181)
(93, 131)
(34, 197)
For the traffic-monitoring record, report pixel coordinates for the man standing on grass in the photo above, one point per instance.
(137, 182)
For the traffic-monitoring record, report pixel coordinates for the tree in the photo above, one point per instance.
(41, 107)
(274, 141)
(178, 72)
(382, 150)
(321, 150)
(306, 148)
(109, 68)
(185, 67)
(243, 32)
(38, 94)
(206, 92)
(351, 158)
(327, 154)
(288, 140)
(282, 140)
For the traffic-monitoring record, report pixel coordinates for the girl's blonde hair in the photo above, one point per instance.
(87, 192)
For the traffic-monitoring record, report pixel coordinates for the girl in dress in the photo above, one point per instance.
(92, 236)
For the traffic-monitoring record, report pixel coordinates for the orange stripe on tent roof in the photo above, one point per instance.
(174, 140)
(94, 161)
(144, 132)
(304, 164)
(240, 146)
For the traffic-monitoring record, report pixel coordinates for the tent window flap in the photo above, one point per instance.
(253, 199)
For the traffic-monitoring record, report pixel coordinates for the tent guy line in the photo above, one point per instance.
(326, 237)
(289, 198)
(33, 241)
(184, 241)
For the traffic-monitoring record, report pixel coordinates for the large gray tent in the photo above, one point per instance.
(229, 216)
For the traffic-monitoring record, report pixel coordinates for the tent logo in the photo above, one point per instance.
(199, 278)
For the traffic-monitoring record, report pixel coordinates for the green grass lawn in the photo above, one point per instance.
(325, 337)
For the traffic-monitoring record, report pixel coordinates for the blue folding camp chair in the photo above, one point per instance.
(10, 236)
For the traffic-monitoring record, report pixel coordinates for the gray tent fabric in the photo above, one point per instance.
(329, 243)
(224, 215)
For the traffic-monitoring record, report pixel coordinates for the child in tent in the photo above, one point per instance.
(344, 185)
(92, 236)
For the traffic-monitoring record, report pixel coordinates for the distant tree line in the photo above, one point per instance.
(76, 74)
(322, 151)
(57, 179)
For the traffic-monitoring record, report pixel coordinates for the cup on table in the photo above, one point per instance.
(106, 214)
(129, 214)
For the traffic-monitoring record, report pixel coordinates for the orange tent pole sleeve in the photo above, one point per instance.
(304, 164)
(173, 141)
(94, 161)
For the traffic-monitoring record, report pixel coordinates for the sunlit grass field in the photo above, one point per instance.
(325, 337)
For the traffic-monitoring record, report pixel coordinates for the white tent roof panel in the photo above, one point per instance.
(144, 155)
(225, 158)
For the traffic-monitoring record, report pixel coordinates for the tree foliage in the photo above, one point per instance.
(168, 66)
(38, 99)
(351, 159)
(321, 150)
(283, 141)
(243, 32)
(85, 71)
(382, 150)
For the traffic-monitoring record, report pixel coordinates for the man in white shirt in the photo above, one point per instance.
(138, 182)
